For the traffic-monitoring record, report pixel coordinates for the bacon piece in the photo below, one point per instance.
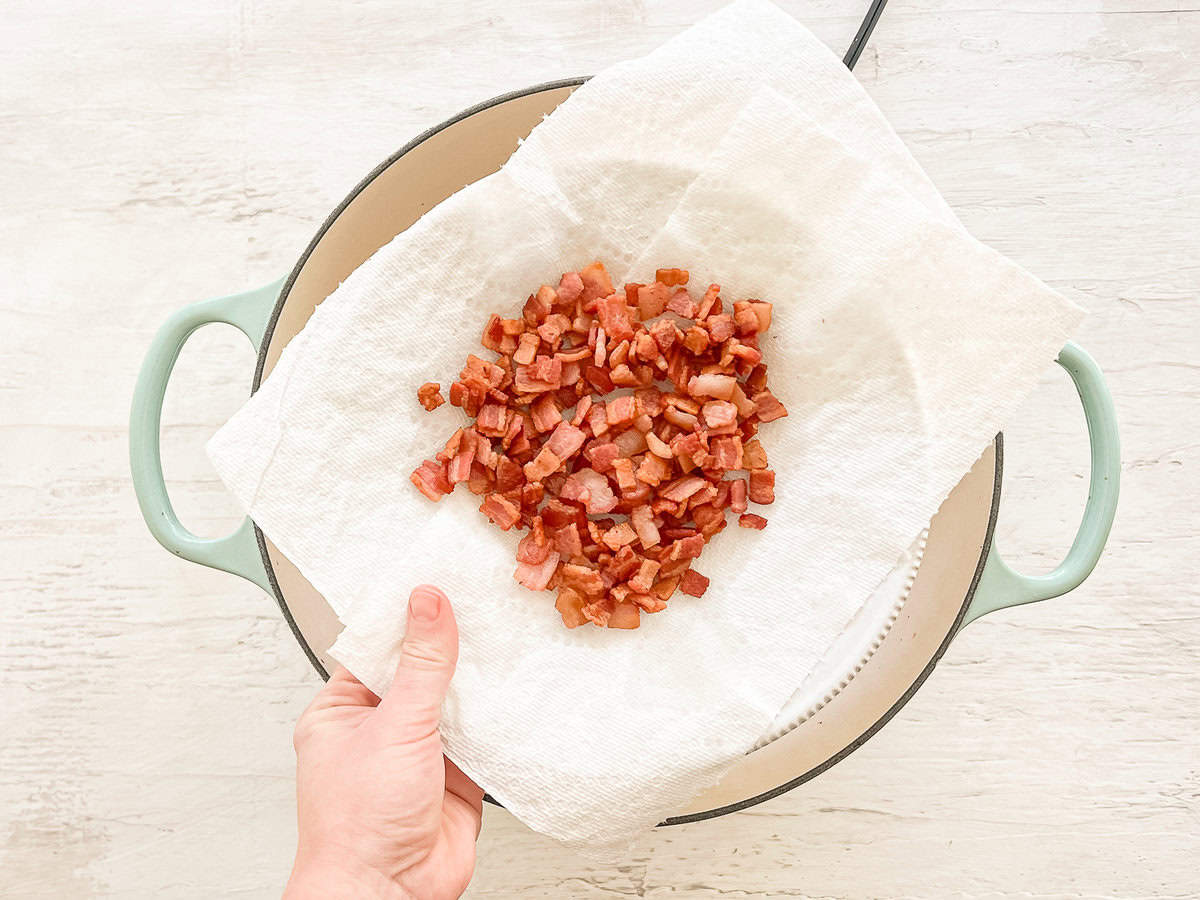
(762, 486)
(542, 465)
(652, 300)
(596, 283)
(623, 467)
(619, 535)
(737, 495)
(566, 440)
(693, 583)
(502, 511)
(750, 520)
(642, 518)
(536, 576)
(482, 480)
(429, 395)
(726, 452)
(643, 581)
(590, 488)
(671, 277)
(753, 455)
(687, 547)
(552, 330)
(625, 615)
(682, 304)
(545, 412)
(665, 334)
(599, 611)
(533, 551)
(430, 479)
(584, 579)
(570, 288)
(543, 374)
(696, 339)
(492, 420)
(602, 456)
(567, 542)
(717, 413)
(630, 442)
(581, 410)
(459, 468)
(653, 469)
(527, 347)
(745, 318)
(614, 317)
(620, 411)
(712, 385)
(569, 604)
(769, 408)
(508, 475)
(710, 303)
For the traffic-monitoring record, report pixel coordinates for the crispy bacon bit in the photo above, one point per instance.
(570, 605)
(693, 583)
(596, 283)
(502, 511)
(429, 395)
(737, 495)
(553, 450)
(762, 486)
(769, 408)
(536, 576)
(671, 277)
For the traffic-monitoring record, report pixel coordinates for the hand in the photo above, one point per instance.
(382, 813)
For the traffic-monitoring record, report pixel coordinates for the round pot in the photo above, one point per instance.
(960, 575)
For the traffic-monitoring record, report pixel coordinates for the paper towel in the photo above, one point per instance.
(743, 151)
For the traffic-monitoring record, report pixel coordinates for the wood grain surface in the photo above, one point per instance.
(152, 154)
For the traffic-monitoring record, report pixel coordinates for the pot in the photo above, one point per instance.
(958, 575)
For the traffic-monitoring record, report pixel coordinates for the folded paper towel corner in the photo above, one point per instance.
(900, 345)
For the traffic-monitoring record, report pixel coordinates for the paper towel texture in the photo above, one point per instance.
(743, 151)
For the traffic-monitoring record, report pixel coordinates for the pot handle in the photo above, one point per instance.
(999, 585)
(237, 552)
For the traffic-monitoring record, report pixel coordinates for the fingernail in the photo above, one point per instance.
(425, 604)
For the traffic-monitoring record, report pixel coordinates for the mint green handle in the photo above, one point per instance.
(999, 585)
(236, 553)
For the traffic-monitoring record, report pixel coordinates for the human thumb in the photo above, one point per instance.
(412, 707)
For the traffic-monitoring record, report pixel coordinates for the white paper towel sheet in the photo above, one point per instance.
(743, 151)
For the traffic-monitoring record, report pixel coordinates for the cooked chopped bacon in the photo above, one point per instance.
(693, 583)
(430, 479)
(590, 488)
(569, 604)
(596, 283)
(620, 410)
(545, 412)
(492, 420)
(671, 277)
(536, 576)
(527, 347)
(712, 385)
(542, 465)
(615, 318)
(682, 304)
(762, 486)
(753, 455)
(768, 406)
(551, 449)
(602, 456)
(502, 511)
(718, 413)
(737, 495)
(625, 615)
(570, 288)
(566, 440)
(429, 395)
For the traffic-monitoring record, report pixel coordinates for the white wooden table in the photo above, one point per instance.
(152, 154)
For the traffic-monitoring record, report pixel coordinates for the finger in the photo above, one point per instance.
(412, 708)
(462, 788)
(343, 689)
